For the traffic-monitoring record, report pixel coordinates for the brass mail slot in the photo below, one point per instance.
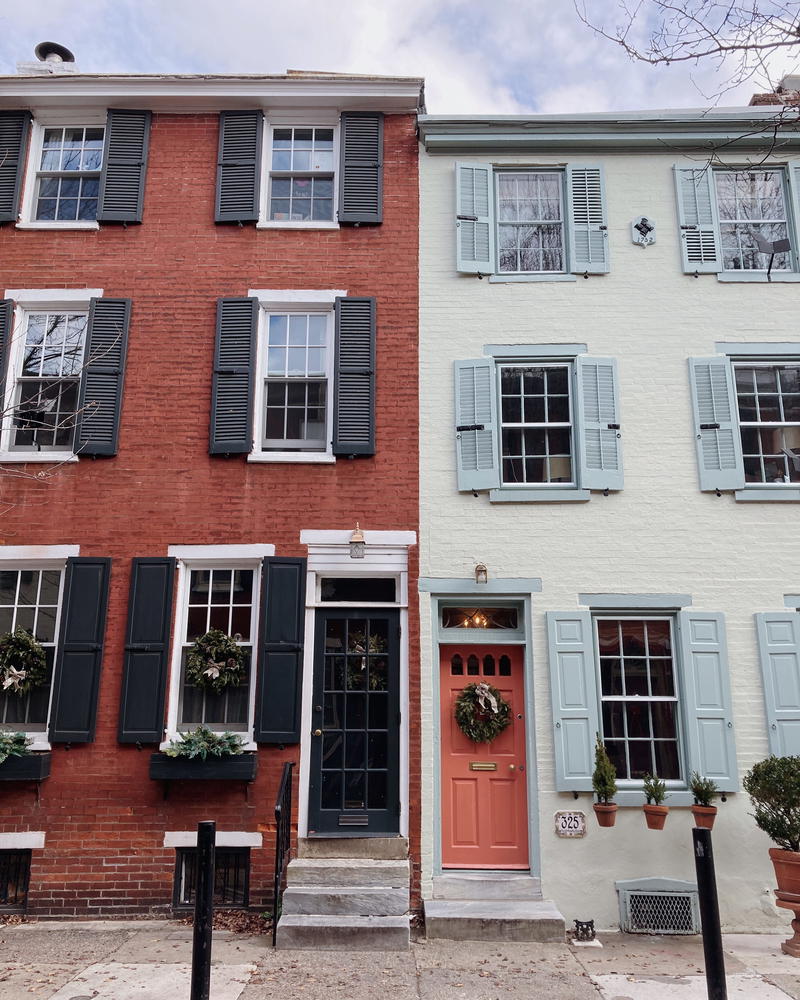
(482, 765)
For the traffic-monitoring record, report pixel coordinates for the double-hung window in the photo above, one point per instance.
(301, 176)
(538, 422)
(654, 685)
(518, 224)
(68, 174)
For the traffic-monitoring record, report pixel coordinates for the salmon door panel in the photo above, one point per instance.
(484, 785)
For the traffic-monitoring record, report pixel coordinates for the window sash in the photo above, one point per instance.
(322, 204)
(536, 224)
(46, 173)
(782, 261)
(755, 466)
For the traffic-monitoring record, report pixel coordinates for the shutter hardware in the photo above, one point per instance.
(470, 427)
(467, 218)
(709, 427)
(614, 427)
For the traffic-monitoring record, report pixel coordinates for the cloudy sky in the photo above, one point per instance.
(521, 56)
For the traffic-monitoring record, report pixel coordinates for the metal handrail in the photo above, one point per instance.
(283, 840)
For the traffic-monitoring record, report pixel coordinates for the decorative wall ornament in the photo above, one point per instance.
(643, 231)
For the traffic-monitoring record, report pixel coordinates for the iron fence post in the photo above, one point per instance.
(709, 914)
(203, 912)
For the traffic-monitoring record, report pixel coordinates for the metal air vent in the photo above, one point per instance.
(658, 906)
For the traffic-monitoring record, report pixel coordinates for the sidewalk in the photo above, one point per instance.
(150, 960)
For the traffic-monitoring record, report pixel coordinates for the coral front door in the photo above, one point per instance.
(484, 785)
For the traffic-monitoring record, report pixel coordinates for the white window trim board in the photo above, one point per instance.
(53, 298)
(224, 838)
(297, 298)
(30, 840)
(535, 352)
(220, 552)
(57, 554)
(397, 539)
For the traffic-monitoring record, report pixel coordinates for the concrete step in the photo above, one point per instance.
(364, 901)
(487, 885)
(338, 872)
(375, 848)
(490, 920)
(335, 933)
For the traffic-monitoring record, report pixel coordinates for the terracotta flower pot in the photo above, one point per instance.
(606, 813)
(787, 869)
(704, 816)
(656, 816)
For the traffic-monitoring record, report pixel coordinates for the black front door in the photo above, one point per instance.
(355, 743)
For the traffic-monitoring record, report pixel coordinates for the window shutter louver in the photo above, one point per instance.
(573, 690)
(144, 676)
(239, 166)
(6, 330)
(14, 128)
(598, 423)
(474, 219)
(697, 219)
(779, 649)
(76, 676)
(127, 141)
(477, 425)
(280, 670)
(588, 226)
(710, 743)
(361, 175)
(716, 424)
(234, 377)
(354, 377)
(100, 396)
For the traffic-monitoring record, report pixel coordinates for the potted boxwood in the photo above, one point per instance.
(18, 762)
(655, 812)
(202, 754)
(604, 783)
(774, 789)
(704, 791)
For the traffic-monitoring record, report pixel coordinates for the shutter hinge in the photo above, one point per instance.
(709, 427)
(469, 427)
(467, 218)
(613, 427)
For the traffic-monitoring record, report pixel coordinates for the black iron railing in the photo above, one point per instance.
(283, 840)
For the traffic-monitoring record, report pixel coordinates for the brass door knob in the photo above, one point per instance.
(512, 767)
(317, 732)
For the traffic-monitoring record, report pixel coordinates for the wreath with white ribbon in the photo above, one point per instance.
(482, 713)
(23, 664)
(216, 661)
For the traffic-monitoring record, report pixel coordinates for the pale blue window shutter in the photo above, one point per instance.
(779, 648)
(598, 423)
(697, 219)
(588, 225)
(474, 218)
(794, 190)
(711, 749)
(573, 690)
(716, 424)
(477, 425)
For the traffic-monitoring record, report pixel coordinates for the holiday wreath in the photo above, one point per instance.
(482, 713)
(216, 661)
(23, 664)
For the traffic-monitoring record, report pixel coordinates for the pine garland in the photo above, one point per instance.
(482, 713)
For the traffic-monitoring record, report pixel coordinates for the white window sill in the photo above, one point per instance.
(40, 741)
(296, 457)
(501, 279)
(513, 495)
(758, 277)
(286, 224)
(43, 457)
(787, 494)
(88, 224)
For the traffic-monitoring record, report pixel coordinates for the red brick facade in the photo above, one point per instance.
(103, 817)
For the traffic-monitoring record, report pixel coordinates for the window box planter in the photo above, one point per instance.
(241, 767)
(31, 767)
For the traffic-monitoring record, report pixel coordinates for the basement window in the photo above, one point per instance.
(15, 873)
(231, 877)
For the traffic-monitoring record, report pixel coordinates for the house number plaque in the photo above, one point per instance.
(570, 824)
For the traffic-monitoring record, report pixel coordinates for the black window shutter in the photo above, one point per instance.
(124, 166)
(361, 173)
(239, 166)
(280, 670)
(234, 377)
(354, 390)
(76, 677)
(6, 328)
(100, 397)
(144, 676)
(14, 128)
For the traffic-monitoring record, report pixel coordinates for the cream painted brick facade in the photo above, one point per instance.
(659, 535)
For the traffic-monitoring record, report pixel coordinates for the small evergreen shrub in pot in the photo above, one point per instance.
(774, 789)
(655, 812)
(604, 783)
(704, 791)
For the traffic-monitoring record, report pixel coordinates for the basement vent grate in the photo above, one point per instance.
(651, 910)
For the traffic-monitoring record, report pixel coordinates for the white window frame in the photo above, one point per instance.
(41, 557)
(193, 557)
(287, 301)
(765, 361)
(287, 119)
(77, 118)
(792, 224)
(562, 195)
(28, 300)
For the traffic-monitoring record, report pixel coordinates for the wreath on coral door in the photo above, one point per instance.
(482, 713)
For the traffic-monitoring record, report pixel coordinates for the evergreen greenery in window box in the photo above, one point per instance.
(23, 664)
(704, 791)
(18, 763)
(604, 783)
(655, 812)
(205, 755)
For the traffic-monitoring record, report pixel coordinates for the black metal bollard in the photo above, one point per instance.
(709, 915)
(203, 912)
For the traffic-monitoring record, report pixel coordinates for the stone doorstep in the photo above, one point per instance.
(490, 920)
(343, 933)
(367, 848)
(337, 872)
(365, 901)
(487, 885)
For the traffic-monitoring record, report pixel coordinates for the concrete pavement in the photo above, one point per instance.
(150, 960)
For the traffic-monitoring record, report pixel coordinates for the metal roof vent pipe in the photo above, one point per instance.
(52, 59)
